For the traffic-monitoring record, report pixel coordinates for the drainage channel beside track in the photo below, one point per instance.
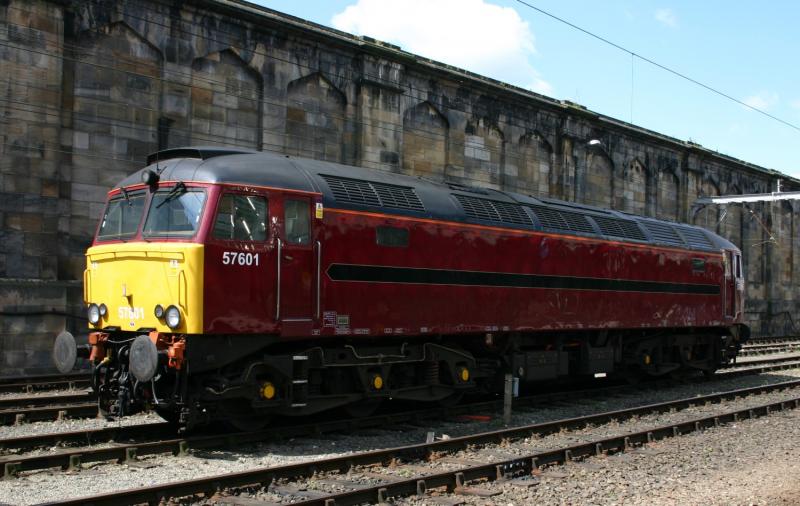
(371, 487)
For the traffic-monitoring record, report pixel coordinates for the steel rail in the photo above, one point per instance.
(44, 378)
(761, 361)
(84, 437)
(172, 445)
(124, 452)
(45, 400)
(48, 413)
(459, 479)
(772, 350)
(791, 342)
(256, 477)
(37, 383)
(764, 340)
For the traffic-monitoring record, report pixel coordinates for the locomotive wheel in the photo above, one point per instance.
(452, 399)
(169, 416)
(709, 373)
(363, 408)
(244, 419)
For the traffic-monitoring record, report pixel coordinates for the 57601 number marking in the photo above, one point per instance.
(237, 258)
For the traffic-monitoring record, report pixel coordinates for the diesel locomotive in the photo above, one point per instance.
(227, 284)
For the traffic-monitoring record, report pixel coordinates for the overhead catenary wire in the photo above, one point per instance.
(658, 65)
(83, 50)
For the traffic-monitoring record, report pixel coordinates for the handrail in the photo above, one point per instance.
(319, 277)
(278, 290)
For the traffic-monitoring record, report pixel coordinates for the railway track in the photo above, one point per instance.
(8, 403)
(48, 408)
(135, 441)
(770, 349)
(32, 384)
(48, 413)
(350, 479)
(755, 341)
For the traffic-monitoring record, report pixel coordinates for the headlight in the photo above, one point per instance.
(159, 311)
(173, 317)
(103, 310)
(93, 313)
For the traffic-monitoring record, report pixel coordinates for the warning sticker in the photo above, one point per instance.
(318, 211)
(329, 319)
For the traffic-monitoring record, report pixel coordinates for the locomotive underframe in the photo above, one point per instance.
(225, 377)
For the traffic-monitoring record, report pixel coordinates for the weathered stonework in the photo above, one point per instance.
(87, 89)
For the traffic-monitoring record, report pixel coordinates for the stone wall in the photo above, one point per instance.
(89, 88)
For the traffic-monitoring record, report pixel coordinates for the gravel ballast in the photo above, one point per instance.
(53, 485)
(753, 462)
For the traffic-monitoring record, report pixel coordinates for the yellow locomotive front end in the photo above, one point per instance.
(145, 285)
(143, 289)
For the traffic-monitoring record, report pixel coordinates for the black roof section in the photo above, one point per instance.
(349, 187)
(201, 152)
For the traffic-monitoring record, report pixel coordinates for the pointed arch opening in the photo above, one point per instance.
(315, 118)
(226, 101)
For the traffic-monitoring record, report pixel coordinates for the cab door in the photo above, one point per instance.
(729, 289)
(738, 276)
(296, 267)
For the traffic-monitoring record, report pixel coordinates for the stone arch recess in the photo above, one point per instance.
(599, 184)
(117, 85)
(668, 196)
(484, 152)
(315, 118)
(227, 101)
(534, 164)
(425, 141)
(633, 191)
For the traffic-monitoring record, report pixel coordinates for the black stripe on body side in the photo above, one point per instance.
(411, 275)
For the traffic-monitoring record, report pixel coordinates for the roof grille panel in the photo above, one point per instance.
(479, 209)
(368, 193)
(578, 222)
(695, 238)
(562, 220)
(512, 213)
(492, 210)
(663, 233)
(619, 228)
(398, 197)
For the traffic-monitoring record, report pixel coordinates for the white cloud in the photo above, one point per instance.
(763, 100)
(667, 17)
(541, 86)
(471, 34)
(795, 104)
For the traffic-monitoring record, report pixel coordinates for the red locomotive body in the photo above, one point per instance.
(325, 285)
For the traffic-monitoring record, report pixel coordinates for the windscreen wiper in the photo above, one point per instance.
(176, 190)
(124, 193)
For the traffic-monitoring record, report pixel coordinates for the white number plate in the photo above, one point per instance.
(239, 258)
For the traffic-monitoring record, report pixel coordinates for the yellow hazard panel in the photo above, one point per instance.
(132, 278)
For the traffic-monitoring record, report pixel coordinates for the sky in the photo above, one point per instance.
(745, 49)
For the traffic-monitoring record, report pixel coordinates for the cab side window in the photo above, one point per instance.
(297, 221)
(241, 218)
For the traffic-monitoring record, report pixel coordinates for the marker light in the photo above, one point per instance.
(93, 312)
(149, 177)
(159, 311)
(268, 391)
(103, 310)
(173, 317)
